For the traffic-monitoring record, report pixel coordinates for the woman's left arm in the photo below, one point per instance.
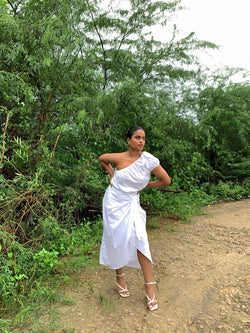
(163, 178)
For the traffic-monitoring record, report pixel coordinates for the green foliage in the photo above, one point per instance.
(24, 270)
(45, 260)
(225, 122)
(60, 241)
(107, 303)
(229, 191)
(4, 325)
(15, 269)
(185, 204)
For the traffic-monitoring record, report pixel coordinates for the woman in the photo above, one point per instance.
(124, 240)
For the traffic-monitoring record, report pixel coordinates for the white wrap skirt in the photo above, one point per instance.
(124, 229)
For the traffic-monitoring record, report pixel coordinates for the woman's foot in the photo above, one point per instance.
(152, 303)
(121, 285)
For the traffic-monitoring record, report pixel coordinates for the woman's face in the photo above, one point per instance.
(137, 141)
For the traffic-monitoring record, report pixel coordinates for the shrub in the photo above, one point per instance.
(229, 191)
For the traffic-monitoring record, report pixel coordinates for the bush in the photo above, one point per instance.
(185, 204)
(23, 268)
(228, 191)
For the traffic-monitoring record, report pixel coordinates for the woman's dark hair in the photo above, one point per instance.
(132, 130)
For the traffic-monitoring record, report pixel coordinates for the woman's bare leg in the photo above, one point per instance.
(146, 266)
(121, 281)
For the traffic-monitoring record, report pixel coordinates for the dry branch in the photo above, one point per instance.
(4, 134)
(54, 149)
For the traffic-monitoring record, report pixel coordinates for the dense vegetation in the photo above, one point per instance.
(74, 77)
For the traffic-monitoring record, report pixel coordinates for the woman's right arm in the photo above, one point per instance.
(107, 160)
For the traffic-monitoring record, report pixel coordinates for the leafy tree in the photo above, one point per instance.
(135, 67)
(91, 69)
(224, 119)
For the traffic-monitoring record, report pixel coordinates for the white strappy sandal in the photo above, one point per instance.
(151, 301)
(124, 291)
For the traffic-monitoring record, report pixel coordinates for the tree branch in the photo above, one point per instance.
(103, 49)
(172, 191)
(13, 8)
(4, 133)
(11, 5)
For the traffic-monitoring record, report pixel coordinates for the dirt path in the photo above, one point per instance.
(202, 274)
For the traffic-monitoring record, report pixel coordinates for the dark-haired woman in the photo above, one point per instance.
(124, 240)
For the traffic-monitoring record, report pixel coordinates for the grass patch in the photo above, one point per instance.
(107, 303)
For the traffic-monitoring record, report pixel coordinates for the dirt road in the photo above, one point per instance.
(202, 274)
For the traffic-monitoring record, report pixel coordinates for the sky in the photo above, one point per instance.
(223, 22)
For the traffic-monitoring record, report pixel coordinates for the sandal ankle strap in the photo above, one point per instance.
(120, 275)
(150, 283)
